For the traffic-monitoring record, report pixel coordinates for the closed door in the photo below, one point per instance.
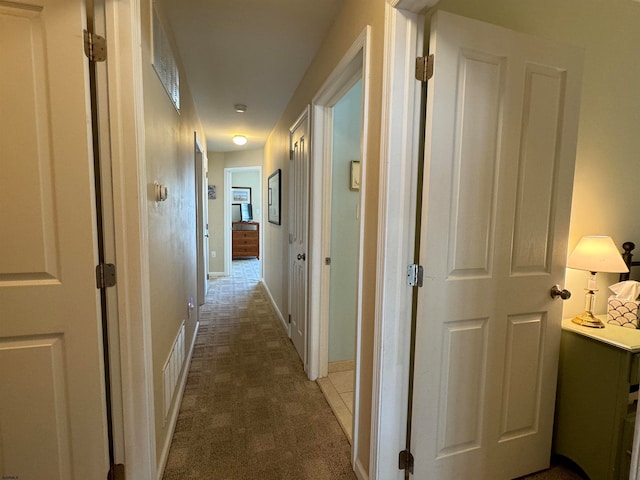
(501, 128)
(52, 407)
(298, 228)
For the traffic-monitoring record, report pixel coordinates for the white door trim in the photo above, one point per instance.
(399, 150)
(126, 121)
(353, 66)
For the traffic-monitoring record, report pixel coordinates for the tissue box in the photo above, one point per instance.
(622, 312)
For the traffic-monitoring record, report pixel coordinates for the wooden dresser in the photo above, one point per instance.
(245, 239)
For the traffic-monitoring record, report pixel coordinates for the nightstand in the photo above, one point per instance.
(596, 398)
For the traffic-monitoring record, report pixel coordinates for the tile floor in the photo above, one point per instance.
(338, 388)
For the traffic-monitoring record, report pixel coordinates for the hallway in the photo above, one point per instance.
(249, 411)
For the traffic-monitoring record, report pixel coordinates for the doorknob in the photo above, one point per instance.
(302, 256)
(556, 291)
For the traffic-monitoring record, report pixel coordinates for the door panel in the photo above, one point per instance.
(500, 140)
(299, 217)
(51, 368)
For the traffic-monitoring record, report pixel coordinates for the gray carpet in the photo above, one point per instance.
(249, 411)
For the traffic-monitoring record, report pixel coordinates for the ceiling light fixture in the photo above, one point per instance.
(240, 108)
(239, 139)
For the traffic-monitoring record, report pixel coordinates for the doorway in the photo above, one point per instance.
(349, 81)
(242, 211)
(344, 181)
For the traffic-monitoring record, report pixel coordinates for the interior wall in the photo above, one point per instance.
(169, 140)
(250, 179)
(606, 179)
(216, 214)
(347, 129)
(354, 16)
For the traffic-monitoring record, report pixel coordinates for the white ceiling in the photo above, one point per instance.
(252, 52)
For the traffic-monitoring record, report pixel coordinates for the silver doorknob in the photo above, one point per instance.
(563, 293)
(302, 256)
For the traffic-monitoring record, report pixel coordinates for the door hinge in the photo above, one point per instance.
(116, 472)
(327, 260)
(414, 275)
(405, 461)
(105, 275)
(291, 152)
(95, 47)
(290, 238)
(289, 318)
(424, 68)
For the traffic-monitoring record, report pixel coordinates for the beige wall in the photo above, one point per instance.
(350, 22)
(607, 174)
(169, 139)
(216, 213)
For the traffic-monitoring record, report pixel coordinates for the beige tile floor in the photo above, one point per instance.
(338, 388)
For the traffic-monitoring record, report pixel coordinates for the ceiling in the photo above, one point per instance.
(251, 52)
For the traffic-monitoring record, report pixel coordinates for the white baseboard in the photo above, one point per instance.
(216, 274)
(360, 471)
(285, 324)
(173, 415)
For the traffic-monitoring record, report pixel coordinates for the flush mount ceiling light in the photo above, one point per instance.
(239, 139)
(240, 108)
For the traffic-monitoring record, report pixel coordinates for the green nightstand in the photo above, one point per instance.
(595, 407)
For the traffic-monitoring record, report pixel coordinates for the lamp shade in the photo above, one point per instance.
(597, 254)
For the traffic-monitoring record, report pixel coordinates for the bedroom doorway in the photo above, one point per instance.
(243, 214)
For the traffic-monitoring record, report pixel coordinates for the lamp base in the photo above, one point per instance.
(588, 320)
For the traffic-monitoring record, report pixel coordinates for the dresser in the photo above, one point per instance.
(597, 397)
(245, 239)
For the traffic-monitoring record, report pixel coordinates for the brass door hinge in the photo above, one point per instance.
(95, 47)
(424, 68)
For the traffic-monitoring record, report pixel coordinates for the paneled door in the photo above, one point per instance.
(298, 228)
(501, 129)
(52, 401)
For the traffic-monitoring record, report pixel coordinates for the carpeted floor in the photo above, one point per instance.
(249, 411)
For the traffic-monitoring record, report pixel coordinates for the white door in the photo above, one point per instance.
(202, 221)
(298, 228)
(52, 405)
(501, 128)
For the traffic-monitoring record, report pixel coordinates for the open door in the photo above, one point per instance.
(501, 129)
(202, 220)
(53, 422)
(298, 228)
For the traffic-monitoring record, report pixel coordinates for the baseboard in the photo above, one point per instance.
(175, 409)
(360, 471)
(285, 324)
(216, 274)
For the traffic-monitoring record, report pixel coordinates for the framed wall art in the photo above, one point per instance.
(240, 194)
(273, 197)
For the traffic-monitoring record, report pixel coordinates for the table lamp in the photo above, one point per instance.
(594, 254)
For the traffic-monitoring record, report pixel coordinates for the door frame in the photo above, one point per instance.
(399, 159)
(354, 66)
(227, 216)
(122, 97)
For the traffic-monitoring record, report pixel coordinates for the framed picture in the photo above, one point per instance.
(273, 196)
(240, 194)
(355, 175)
(211, 192)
